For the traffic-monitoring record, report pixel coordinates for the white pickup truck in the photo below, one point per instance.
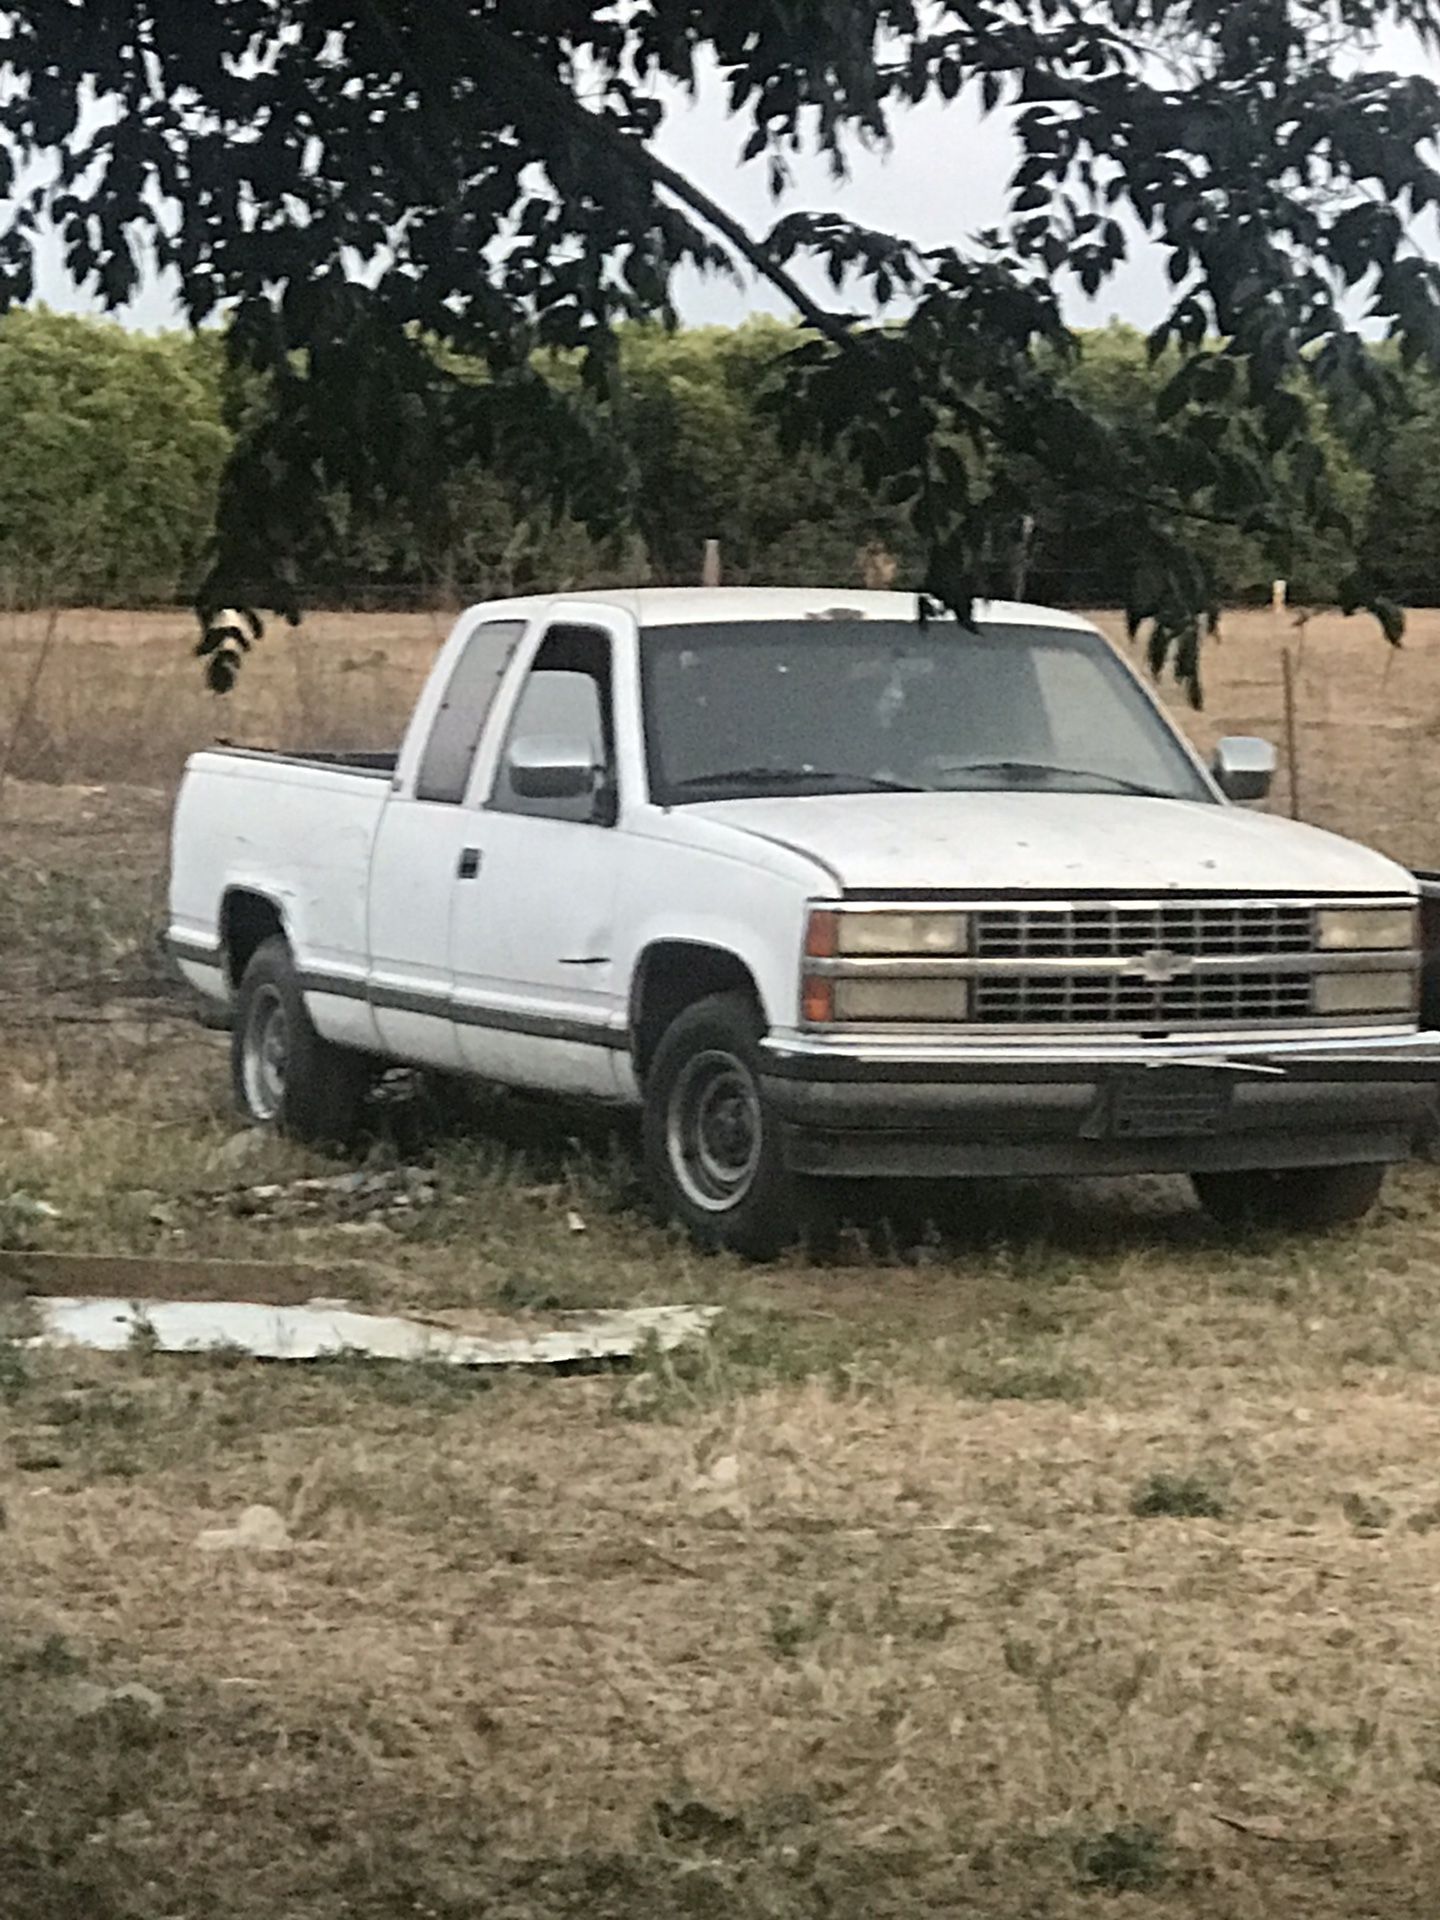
(830, 890)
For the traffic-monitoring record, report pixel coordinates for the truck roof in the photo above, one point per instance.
(693, 606)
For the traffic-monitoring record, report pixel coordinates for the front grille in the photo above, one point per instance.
(1088, 999)
(1202, 930)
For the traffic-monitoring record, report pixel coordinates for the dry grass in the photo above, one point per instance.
(1070, 1561)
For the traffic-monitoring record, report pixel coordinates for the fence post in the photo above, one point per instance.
(1024, 547)
(710, 567)
(1292, 731)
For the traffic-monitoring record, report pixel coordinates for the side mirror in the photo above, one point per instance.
(1245, 769)
(553, 769)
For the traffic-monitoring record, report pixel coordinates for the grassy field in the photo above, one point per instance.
(1062, 1559)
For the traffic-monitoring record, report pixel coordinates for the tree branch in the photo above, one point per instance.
(500, 49)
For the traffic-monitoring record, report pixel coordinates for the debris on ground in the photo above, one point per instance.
(328, 1329)
(258, 1530)
(725, 1473)
(347, 1197)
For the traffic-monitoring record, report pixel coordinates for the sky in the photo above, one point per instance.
(942, 180)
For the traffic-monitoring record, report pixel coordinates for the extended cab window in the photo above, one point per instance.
(559, 756)
(771, 708)
(455, 733)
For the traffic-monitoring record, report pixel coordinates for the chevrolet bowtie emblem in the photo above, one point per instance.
(1160, 968)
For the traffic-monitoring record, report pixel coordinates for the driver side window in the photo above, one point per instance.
(558, 762)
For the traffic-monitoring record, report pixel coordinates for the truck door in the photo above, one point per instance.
(532, 929)
(419, 853)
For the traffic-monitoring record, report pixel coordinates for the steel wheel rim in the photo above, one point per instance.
(266, 1054)
(714, 1131)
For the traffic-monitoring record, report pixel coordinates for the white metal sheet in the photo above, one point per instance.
(324, 1329)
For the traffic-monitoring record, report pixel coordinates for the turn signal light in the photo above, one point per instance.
(822, 936)
(817, 1001)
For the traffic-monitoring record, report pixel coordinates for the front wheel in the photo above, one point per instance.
(712, 1148)
(1291, 1199)
(285, 1075)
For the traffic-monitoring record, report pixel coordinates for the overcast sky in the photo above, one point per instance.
(942, 180)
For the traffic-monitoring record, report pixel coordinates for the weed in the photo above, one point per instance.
(434, 1385)
(1367, 1512)
(747, 1353)
(1330, 1755)
(144, 1341)
(687, 1821)
(25, 1221)
(53, 1659)
(791, 1629)
(928, 1625)
(99, 1408)
(1019, 1380)
(1177, 1496)
(529, 1292)
(15, 1376)
(1129, 1859)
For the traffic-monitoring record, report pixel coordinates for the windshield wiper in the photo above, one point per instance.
(1022, 769)
(796, 776)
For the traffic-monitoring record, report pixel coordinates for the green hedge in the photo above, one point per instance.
(114, 442)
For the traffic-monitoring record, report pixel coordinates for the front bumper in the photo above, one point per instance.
(867, 1111)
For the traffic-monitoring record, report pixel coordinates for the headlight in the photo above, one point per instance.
(1366, 992)
(887, 936)
(1368, 929)
(917, 1001)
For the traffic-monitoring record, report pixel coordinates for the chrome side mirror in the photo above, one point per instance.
(1245, 769)
(555, 769)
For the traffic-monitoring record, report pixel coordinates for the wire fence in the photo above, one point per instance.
(360, 594)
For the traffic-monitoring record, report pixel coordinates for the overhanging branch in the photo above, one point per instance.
(500, 49)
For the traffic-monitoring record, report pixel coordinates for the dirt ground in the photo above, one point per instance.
(1060, 1558)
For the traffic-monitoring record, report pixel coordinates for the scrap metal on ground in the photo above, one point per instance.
(328, 1329)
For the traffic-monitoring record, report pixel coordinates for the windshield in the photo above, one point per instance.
(769, 708)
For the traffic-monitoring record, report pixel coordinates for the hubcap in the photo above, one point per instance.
(266, 1052)
(714, 1131)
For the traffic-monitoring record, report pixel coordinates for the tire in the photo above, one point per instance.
(713, 1151)
(1293, 1199)
(284, 1075)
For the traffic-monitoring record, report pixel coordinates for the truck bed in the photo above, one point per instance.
(371, 764)
(294, 829)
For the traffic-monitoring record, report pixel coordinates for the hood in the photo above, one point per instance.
(1055, 843)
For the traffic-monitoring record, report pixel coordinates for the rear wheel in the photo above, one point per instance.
(284, 1074)
(1291, 1199)
(712, 1147)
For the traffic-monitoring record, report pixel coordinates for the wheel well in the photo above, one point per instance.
(247, 920)
(673, 976)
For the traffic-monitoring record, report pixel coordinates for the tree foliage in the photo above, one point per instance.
(115, 444)
(352, 180)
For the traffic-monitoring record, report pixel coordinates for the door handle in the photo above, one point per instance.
(469, 863)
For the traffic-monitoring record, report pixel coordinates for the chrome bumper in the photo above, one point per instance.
(861, 1110)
